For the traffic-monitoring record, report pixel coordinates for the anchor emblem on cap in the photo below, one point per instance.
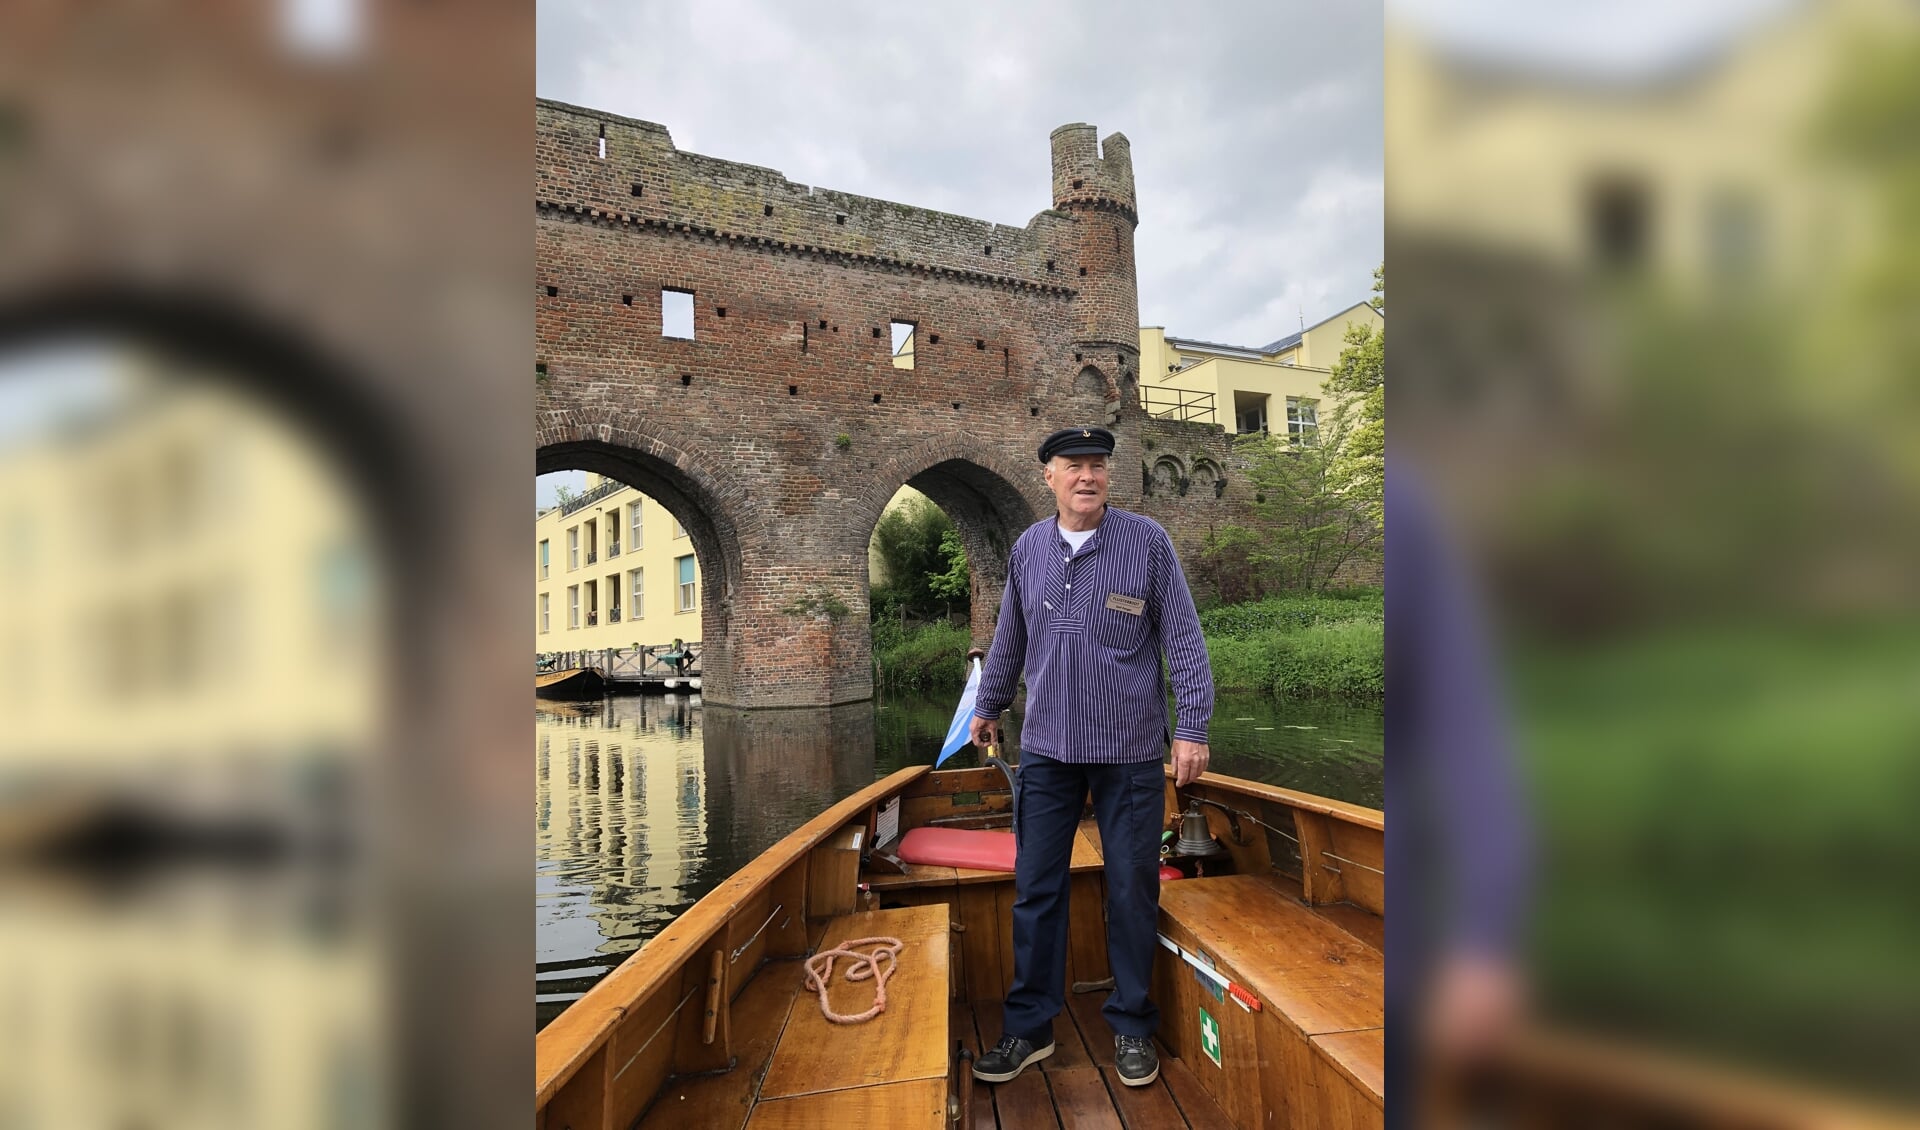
(1084, 432)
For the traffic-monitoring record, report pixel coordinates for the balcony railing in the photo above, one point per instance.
(590, 557)
(613, 615)
(613, 550)
(594, 495)
(592, 619)
(1179, 404)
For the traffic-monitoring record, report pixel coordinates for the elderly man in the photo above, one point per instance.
(1094, 595)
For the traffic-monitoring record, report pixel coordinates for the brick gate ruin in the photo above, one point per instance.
(778, 431)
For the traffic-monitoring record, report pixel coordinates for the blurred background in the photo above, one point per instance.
(1656, 371)
(262, 386)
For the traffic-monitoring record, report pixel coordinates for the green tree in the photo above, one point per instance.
(1312, 523)
(1358, 387)
(955, 585)
(1229, 565)
(910, 540)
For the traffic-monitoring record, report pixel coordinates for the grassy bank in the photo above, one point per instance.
(1292, 647)
(1726, 814)
(1329, 646)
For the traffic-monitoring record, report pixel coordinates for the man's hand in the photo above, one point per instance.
(1474, 1003)
(1189, 761)
(983, 733)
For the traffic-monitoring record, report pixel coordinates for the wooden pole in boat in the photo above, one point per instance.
(713, 997)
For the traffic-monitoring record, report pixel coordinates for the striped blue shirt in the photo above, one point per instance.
(1088, 629)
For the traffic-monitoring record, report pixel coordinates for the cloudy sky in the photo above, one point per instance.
(1255, 125)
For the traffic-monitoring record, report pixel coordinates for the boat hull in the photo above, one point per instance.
(576, 684)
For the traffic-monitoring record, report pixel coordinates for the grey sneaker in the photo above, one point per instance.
(1008, 1059)
(1136, 1060)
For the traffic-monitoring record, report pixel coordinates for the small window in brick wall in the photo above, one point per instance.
(676, 313)
(903, 343)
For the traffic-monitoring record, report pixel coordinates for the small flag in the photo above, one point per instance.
(962, 717)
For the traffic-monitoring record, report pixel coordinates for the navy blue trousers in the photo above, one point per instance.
(1128, 801)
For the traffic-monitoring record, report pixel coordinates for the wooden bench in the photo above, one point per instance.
(981, 904)
(1319, 1040)
(889, 1071)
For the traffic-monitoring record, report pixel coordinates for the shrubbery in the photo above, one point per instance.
(1283, 613)
(1329, 646)
(1327, 660)
(923, 657)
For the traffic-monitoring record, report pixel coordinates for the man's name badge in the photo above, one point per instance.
(1131, 605)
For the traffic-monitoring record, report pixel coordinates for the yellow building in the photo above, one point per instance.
(612, 569)
(189, 614)
(1705, 172)
(187, 588)
(1274, 387)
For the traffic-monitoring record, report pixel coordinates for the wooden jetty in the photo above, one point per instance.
(631, 670)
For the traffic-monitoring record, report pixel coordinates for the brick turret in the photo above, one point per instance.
(1093, 182)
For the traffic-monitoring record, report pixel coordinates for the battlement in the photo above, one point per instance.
(629, 171)
(1090, 173)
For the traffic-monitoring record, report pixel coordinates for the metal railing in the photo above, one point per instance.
(592, 496)
(1181, 404)
(631, 663)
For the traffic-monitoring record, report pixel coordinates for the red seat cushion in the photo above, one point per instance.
(958, 847)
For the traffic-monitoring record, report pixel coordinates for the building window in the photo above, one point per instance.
(573, 606)
(1303, 423)
(545, 610)
(676, 314)
(1619, 221)
(903, 345)
(633, 529)
(593, 604)
(544, 547)
(679, 531)
(1734, 226)
(612, 521)
(637, 592)
(1250, 413)
(687, 594)
(573, 549)
(613, 598)
(593, 543)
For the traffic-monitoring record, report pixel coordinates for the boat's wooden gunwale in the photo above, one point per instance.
(1372, 818)
(578, 1033)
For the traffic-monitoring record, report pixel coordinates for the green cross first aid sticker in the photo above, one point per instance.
(1210, 1037)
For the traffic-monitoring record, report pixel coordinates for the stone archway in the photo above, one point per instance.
(698, 498)
(990, 501)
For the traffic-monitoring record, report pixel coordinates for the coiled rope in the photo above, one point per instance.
(865, 965)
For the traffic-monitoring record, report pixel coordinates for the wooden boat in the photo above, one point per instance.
(709, 1024)
(576, 683)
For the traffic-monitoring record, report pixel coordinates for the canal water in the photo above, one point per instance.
(646, 803)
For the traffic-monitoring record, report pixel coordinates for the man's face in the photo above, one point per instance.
(1079, 483)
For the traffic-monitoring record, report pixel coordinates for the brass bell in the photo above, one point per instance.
(1195, 837)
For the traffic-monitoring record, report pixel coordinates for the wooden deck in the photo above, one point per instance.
(1076, 1088)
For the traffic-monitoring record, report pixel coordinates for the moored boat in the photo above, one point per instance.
(1270, 979)
(575, 683)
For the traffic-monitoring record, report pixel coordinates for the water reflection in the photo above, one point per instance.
(644, 804)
